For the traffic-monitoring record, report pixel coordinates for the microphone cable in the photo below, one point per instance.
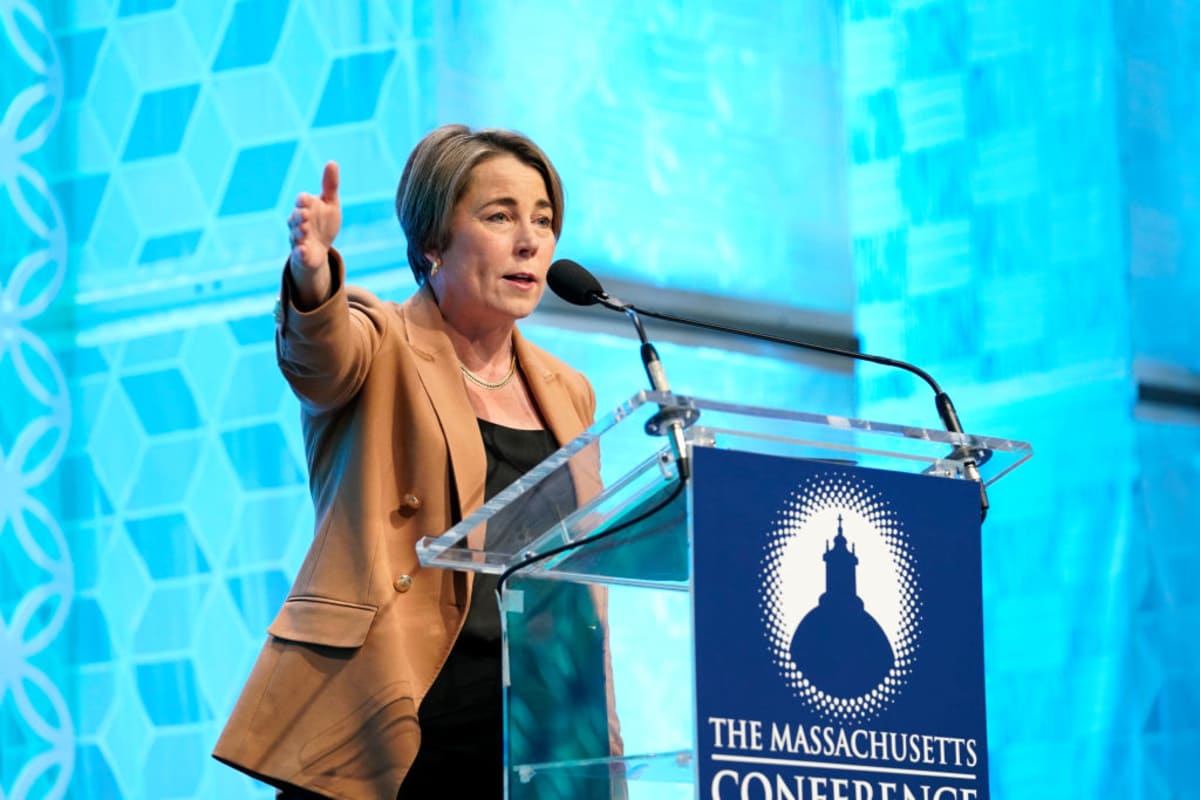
(576, 285)
(595, 537)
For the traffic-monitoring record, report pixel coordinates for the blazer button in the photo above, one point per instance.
(412, 501)
(403, 583)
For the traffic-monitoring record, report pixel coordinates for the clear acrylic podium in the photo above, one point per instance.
(600, 635)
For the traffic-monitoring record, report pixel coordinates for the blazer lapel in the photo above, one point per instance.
(549, 393)
(437, 366)
(562, 418)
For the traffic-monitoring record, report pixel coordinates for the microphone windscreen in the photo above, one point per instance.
(573, 283)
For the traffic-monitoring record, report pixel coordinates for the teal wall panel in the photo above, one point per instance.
(1001, 191)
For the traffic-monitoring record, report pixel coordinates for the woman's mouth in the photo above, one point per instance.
(522, 279)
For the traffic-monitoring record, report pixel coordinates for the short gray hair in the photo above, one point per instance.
(438, 173)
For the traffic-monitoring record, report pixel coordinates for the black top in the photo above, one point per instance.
(511, 452)
(461, 753)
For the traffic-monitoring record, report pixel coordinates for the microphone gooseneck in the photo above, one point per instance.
(575, 284)
(671, 417)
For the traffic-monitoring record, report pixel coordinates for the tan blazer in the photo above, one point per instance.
(392, 444)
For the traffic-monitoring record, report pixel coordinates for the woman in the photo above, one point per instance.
(413, 414)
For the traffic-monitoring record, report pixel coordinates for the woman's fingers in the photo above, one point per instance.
(315, 220)
(329, 182)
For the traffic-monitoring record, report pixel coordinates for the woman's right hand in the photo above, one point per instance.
(312, 227)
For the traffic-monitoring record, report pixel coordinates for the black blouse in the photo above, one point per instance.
(461, 753)
(511, 452)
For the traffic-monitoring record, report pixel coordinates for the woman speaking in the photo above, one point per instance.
(381, 678)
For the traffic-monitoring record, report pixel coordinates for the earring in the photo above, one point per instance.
(435, 265)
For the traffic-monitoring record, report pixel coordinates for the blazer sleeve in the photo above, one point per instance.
(326, 353)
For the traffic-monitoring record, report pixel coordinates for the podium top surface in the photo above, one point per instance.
(614, 466)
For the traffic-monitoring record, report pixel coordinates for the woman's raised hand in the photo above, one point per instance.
(315, 222)
(312, 227)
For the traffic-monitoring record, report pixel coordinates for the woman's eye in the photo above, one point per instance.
(544, 222)
(499, 216)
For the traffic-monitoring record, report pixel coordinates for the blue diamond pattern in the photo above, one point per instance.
(205, 22)
(78, 52)
(165, 473)
(129, 725)
(115, 218)
(114, 443)
(169, 693)
(206, 362)
(131, 8)
(875, 133)
(166, 545)
(302, 58)
(156, 211)
(943, 28)
(97, 691)
(255, 106)
(112, 80)
(212, 501)
(371, 213)
(84, 362)
(80, 199)
(207, 150)
(247, 447)
(258, 175)
(152, 350)
(265, 523)
(161, 53)
(85, 553)
(259, 596)
(122, 587)
(222, 649)
(252, 34)
(162, 401)
(171, 771)
(160, 632)
(93, 776)
(352, 89)
(251, 366)
(253, 330)
(89, 632)
(87, 498)
(161, 121)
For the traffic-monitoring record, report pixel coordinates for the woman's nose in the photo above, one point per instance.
(527, 240)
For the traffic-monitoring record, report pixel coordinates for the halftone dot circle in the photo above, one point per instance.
(851, 495)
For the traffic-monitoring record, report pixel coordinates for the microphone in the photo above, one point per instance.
(573, 283)
(576, 285)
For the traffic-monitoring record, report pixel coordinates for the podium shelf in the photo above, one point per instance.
(609, 470)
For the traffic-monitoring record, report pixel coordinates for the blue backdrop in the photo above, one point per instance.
(1004, 191)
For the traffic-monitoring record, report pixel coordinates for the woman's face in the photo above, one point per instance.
(501, 243)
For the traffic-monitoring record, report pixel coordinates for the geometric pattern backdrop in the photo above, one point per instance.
(1003, 192)
(1023, 216)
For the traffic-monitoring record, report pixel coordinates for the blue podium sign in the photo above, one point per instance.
(838, 632)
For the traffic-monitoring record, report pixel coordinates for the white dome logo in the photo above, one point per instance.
(838, 568)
